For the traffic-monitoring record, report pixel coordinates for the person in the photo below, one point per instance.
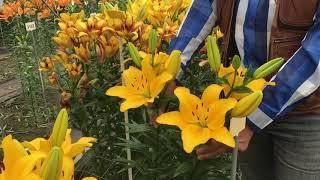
(282, 138)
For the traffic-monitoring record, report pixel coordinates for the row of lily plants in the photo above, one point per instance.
(115, 78)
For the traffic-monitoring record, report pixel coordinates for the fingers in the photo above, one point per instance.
(209, 147)
(244, 139)
(212, 154)
(211, 150)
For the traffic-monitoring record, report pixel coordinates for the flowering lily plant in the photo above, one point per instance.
(237, 93)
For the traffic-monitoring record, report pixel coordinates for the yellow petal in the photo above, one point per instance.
(33, 145)
(257, 84)
(217, 113)
(222, 135)
(171, 118)
(27, 164)
(157, 84)
(147, 69)
(79, 147)
(119, 91)
(67, 140)
(32, 176)
(12, 150)
(193, 135)
(187, 103)
(223, 71)
(89, 178)
(67, 168)
(130, 75)
(132, 102)
(211, 94)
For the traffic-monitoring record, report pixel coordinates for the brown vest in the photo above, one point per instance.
(291, 22)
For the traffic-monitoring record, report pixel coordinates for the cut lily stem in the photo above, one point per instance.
(235, 159)
(234, 80)
(152, 59)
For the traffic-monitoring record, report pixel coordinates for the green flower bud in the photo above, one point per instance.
(213, 53)
(52, 165)
(268, 68)
(142, 12)
(236, 62)
(59, 129)
(153, 39)
(134, 54)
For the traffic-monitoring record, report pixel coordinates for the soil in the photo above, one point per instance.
(15, 115)
(7, 68)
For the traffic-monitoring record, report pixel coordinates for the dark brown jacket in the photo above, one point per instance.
(291, 22)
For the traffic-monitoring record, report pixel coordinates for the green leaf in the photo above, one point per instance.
(242, 89)
(221, 80)
(138, 128)
(183, 168)
(248, 76)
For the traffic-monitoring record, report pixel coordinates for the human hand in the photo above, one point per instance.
(214, 148)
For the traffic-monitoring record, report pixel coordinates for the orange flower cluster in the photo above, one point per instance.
(82, 39)
(34, 8)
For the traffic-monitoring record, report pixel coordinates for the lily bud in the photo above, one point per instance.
(142, 12)
(153, 39)
(268, 68)
(247, 105)
(236, 62)
(59, 129)
(134, 54)
(174, 63)
(52, 166)
(213, 53)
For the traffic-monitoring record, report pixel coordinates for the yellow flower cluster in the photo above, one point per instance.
(43, 159)
(80, 38)
(238, 92)
(163, 15)
(142, 86)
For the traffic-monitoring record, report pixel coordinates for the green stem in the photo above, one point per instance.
(194, 169)
(234, 80)
(152, 59)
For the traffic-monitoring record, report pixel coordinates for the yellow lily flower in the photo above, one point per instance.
(82, 53)
(141, 86)
(70, 150)
(74, 70)
(62, 57)
(107, 47)
(143, 37)
(200, 119)
(163, 62)
(168, 30)
(65, 100)
(53, 79)
(46, 64)
(254, 85)
(63, 40)
(18, 165)
(138, 9)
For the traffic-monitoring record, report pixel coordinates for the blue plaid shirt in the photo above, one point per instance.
(296, 80)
